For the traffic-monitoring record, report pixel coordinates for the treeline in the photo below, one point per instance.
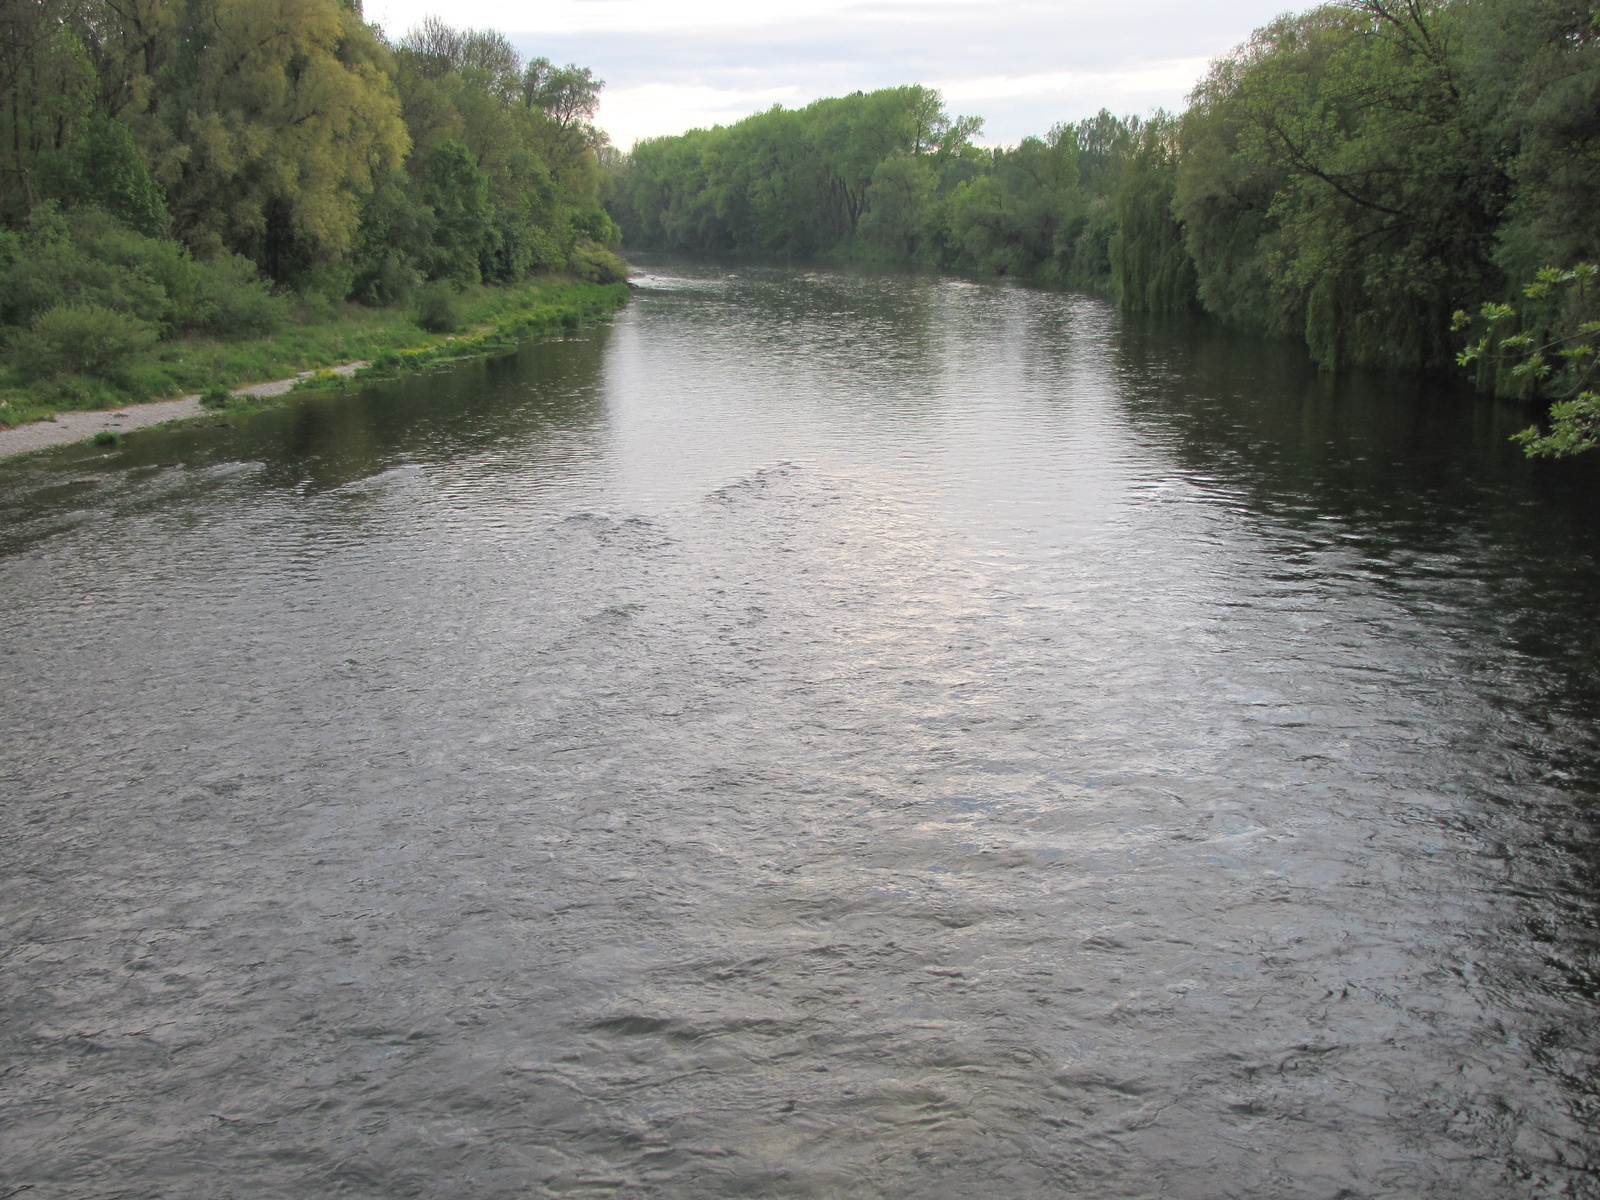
(1365, 177)
(1356, 174)
(217, 166)
(888, 175)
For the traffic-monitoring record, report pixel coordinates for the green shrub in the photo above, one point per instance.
(89, 260)
(231, 300)
(596, 225)
(325, 379)
(80, 340)
(439, 308)
(595, 264)
(216, 396)
(105, 438)
(314, 308)
(389, 280)
(326, 282)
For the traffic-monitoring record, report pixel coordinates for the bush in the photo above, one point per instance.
(387, 281)
(314, 308)
(81, 340)
(230, 299)
(88, 260)
(439, 308)
(105, 438)
(326, 284)
(596, 225)
(216, 396)
(593, 263)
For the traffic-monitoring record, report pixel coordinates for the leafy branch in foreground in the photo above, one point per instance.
(1547, 348)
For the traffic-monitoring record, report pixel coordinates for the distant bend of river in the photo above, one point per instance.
(823, 734)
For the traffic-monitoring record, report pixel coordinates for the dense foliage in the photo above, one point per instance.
(1358, 174)
(1353, 177)
(172, 167)
(886, 175)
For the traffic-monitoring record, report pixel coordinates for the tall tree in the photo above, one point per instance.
(281, 117)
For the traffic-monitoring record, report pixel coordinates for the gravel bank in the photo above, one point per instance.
(81, 426)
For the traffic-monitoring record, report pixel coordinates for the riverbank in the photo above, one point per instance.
(323, 350)
(69, 427)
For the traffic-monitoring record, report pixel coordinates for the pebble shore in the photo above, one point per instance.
(81, 426)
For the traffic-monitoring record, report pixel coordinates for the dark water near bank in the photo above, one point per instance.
(821, 735)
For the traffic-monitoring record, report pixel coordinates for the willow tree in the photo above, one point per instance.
(1153, 268)
(1338, 180)
(281, 116)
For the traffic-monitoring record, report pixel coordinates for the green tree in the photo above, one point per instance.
(504, 160)
(901, 206)
(1154, 270)
(1533, 69)
(281, 119)
(101, 166)
(796, 181)
(456, 191)
(1383, 194)
(47, 88)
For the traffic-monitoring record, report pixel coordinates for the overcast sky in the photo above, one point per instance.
(671, 65)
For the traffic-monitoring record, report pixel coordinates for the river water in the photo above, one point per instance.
(819, 735)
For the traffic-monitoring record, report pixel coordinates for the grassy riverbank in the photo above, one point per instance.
(486, 319)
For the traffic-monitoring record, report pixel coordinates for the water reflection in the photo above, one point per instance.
(834, 734)
(1413, 483)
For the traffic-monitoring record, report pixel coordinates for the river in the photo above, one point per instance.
(823, 734)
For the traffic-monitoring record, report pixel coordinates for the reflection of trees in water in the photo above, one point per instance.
(548, 385)
(1410, 486)
(1385, 445)
(832, 313)
(1410, 490)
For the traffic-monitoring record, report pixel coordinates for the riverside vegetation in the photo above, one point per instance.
(1396, 183)
(198, 192)
(202, 192)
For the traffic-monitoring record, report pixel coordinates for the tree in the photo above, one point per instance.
(1367, 186)
(1545, 346)
(569, 95)
(1533, 67)
(901, 206)
(1153, 266)
(282, 117)
(46, 90)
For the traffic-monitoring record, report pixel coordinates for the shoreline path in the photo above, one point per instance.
(71, 427)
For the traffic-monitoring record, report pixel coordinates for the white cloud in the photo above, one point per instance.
(628, 114)
(985, 87)
(617, 16)
(1023, 65)
(1176, 74)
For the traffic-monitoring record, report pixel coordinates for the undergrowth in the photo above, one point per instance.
(315, 337)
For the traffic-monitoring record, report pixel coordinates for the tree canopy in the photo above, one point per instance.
(887, 174)
(294, 134)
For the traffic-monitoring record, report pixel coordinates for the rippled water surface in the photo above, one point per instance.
(820, 735)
